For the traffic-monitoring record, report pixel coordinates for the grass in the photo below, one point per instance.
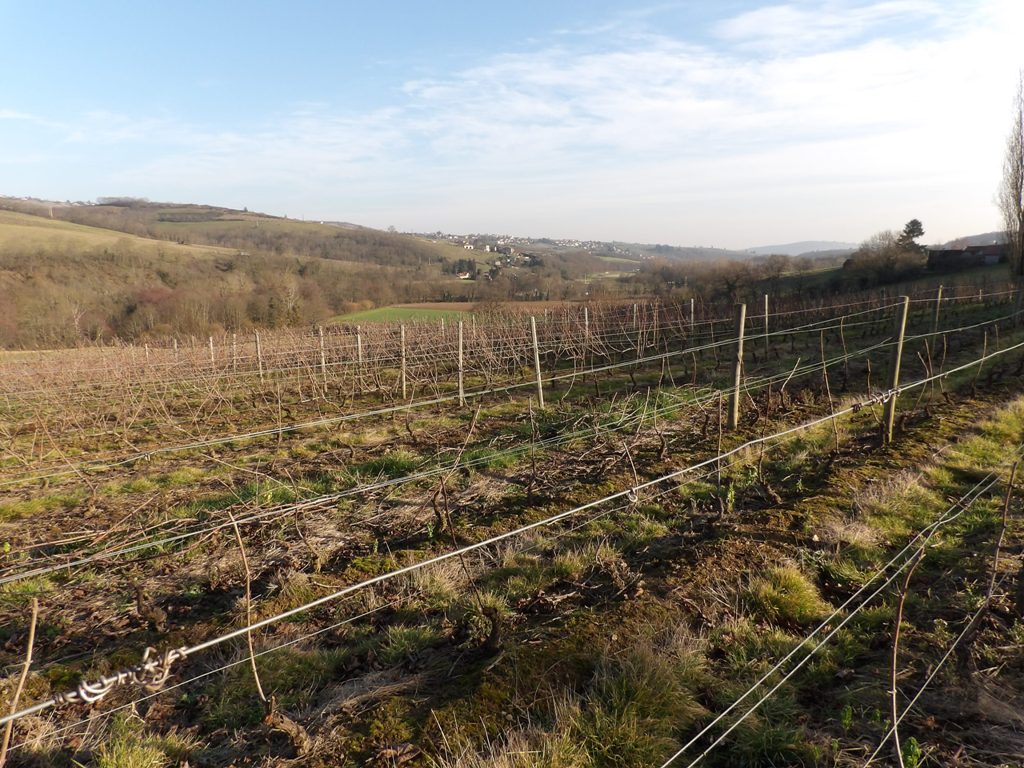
(396, 314)
(404, 643)
(20, 593)
(129, 746)
(394, 464)
(14, 510)
(292, 675)
(785, 596)
(24, 233)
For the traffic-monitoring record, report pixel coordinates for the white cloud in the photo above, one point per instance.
(816, 26)
(812, 119)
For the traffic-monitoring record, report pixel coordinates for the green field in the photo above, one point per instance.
(396, 314)
(619, 260)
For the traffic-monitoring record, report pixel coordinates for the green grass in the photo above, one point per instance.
(292, 675)
(393, 464)
(785, 596)
(29, 507)
(129, 746)
(396, 314)
(19, 593)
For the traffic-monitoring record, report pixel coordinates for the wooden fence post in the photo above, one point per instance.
(213, 360)
(734, 399)
(938, 306)
(693, 319)
(900, 332)
(259, 354)
(175, 349)
(234, 351)
(462, 391)
(403, 362)
(767, 346)
(323, 357)
(359, 348)
(536, 363)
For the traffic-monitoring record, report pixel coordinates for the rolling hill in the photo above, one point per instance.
(64, 282)
(240, 230)
(803, 247)
(131, 269)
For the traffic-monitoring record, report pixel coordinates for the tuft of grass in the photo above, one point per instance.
(129, 746)
(19, 593)
(489, 458)
(29, 507)
(758, 743)
(392, 464)
(295, 589)
(785, 596)
(291, 674)
(404, 643)
(637, 705)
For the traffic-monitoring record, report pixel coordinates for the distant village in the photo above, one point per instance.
(526, 252)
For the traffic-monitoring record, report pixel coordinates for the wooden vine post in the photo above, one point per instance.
(767, 347)
(462, 390)
(259, 354)
(737, 370)
(900, 333)
(323, 357)
(536, 363)
(404, 395)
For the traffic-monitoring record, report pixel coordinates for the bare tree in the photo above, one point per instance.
(1011, 192)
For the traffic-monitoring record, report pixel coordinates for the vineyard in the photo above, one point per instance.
(606, 534)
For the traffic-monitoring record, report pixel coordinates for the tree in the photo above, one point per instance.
(887, 257)
(1011, 191)
(911, 231)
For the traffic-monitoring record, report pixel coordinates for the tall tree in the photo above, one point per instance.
(1011, 191)
(911, 231)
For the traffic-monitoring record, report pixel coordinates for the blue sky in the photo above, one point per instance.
(709, 123)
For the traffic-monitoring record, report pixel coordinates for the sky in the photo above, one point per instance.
(729, 123)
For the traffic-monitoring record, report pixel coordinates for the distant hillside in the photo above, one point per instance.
(241, 230)
(804, 248)
(133, 269)
(62, 283)
(986, 238)
(687, 252)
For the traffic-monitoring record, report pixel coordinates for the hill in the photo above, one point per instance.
(985, 238)
(242, 230)
(802, 247)
(126, 268)
(63, 283)
(688, 252)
